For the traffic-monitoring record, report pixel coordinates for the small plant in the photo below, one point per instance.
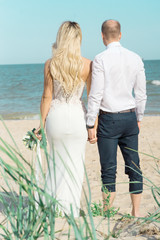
(110, 211)
(97, 209)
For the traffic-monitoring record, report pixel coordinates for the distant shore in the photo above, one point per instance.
(30, 116)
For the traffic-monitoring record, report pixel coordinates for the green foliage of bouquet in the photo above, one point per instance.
(30, 140)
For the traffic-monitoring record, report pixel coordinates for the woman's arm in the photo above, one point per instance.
(89, 78)
(47, 92)
(88, 89)
(46, 97)
(91, 132)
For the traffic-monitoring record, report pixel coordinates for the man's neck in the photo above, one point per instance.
(110, 41)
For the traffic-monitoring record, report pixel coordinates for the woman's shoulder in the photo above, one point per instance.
(47, 66)
(86, 61)
(47, 63)
(87, 67)
(47, 72)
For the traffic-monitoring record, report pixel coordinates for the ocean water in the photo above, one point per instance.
(21, 88)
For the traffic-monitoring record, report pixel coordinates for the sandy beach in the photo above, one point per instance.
(149, 143)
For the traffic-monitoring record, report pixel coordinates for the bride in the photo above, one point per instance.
(63, 116)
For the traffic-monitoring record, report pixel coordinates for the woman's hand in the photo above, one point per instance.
(139, 125)
(37, 133)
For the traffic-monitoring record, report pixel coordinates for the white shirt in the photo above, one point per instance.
(116, 72)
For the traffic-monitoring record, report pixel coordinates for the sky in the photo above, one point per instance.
(28, 28)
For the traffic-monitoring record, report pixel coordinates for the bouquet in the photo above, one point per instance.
(30, 140)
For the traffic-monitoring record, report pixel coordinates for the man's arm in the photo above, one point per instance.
(94, 99)
(96, 91)
(140, 91)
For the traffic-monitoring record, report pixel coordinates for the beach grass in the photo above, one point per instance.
(33, 212)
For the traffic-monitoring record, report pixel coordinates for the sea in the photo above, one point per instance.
(21, 88)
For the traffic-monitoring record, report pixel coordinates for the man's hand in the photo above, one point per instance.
(92, 135)
(139, 125)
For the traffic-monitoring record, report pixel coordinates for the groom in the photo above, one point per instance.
(116, 73)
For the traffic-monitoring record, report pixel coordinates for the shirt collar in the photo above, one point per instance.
(113, 44)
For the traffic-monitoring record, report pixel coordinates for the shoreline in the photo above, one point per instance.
(36, 117)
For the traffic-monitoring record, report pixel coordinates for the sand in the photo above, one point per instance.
(149, 143)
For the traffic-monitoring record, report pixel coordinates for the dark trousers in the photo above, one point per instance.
(119, 129)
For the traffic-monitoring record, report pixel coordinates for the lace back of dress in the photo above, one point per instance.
(60, 94)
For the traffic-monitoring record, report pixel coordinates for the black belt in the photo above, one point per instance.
(124, 111)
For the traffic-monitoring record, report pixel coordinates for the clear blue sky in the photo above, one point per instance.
(28, 27)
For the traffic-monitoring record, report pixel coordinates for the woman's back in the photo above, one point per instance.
(67, 111)
(59, 91)
(67, 136)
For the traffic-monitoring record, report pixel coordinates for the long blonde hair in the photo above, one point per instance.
(66, 64)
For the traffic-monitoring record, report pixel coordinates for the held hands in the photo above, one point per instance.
(139, 125)
(92, 135)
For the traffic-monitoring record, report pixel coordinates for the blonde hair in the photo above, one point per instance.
(66, 64)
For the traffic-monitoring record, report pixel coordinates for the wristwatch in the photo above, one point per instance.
(89, 127)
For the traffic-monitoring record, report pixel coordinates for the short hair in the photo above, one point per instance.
(111, 29)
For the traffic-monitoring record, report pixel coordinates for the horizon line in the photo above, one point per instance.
(3, 64)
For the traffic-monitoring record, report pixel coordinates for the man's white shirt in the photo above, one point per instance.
(116, 73)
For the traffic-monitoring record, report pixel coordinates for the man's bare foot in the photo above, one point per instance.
(136, 198)
(136, 214)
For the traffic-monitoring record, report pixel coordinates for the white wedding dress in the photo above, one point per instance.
(67, 136)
